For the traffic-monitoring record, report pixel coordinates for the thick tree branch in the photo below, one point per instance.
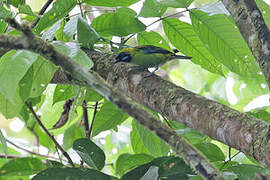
(245, 133)
(250, 22)
(30, 42)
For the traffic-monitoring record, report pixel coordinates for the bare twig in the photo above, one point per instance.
(30, 152)
(93, 119)
(41, 12)
(85, 119)
(49, 134)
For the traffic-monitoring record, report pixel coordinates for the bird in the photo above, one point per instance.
(147, 56)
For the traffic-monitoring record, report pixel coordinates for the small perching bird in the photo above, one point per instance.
(147, 56)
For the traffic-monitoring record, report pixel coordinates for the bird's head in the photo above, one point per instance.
(124, 55)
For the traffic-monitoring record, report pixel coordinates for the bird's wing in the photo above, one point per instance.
(149, 49)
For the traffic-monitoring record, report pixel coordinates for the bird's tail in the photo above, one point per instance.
(182, 57)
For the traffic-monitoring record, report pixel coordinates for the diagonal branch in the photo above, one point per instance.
(84, 77)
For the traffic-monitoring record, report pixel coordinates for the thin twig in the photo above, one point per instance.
(30, 152)
(85, 119)
(80, 5)
(41, 12)
(11, 156)
(230, 153)
(93, 119)
(49, 134)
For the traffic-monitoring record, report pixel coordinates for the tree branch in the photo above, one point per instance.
(41, 12)
(82, 76)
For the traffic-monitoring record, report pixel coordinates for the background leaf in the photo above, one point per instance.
(111, 3)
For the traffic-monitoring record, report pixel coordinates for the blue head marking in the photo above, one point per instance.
(123, 57)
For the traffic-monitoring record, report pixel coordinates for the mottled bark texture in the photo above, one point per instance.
(254, 30)
(245, 133)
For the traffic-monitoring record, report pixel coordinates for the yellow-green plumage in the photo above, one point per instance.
(147, 56)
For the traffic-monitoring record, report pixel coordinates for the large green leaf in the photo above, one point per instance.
(127, 162)
(152, 38)
(21, 167)
(247, 171)
(151, 141)
(13, 66)
(110, 3)
(59, 10)
(222, 38)
(184, 38)
(171, 168)
(120, 23)
(72, 174)
(8, 109)
(152, 8)
(211, 151)
(74, 52)
(87, 36)
(63, 92)
(90, 153)
(108, 117)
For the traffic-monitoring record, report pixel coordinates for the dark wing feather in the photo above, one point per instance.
(149, 49)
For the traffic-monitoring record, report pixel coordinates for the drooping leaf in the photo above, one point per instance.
(127, 162)
(246, 171)
(70, 29)
(59, 10)
(87, 36)
(92, 95)
(152, 8)
(111, 3)
(184, 38)
(63, 92)
(151, 141)
(120, 23)
(8, 109)
(108, 117)
(90, 153)
(222, 38)
(71, 134)
(72, 173)
(21, 167)
(50, 33)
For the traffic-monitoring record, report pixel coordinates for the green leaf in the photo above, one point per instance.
(87, 36)
(8, 109)
(70, 28)
(4, 143)
(59, 10)
(120, 23)
(3, 26)
(127, 162)
(71, 134)
(214, 8)
(171, 168)
(152, 8)
(184, 38)
(136, 142)
(13, 66)
(74, 52)
(176, 3)
(16, 3)
(26, 9)
(246, 171)
(4, 13)
(222, 38)
(21, 167)
(63, 92)
(90, 153)
(151, 141)
(152, 38)
(211, 151)
(43, 72)
(50, 33)
(108, 117)
(111, 3)
(92, 95)
(261, 114)
(72, 174)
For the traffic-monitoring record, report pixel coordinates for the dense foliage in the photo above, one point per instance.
(222, 69)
